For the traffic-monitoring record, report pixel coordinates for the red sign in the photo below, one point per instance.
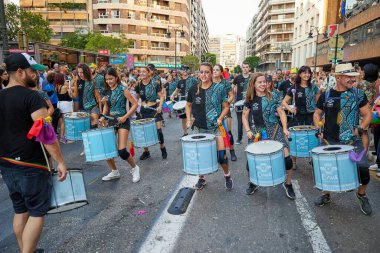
(333, 30)
(103, 51)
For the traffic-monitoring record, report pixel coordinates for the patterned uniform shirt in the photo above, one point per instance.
(118, 101)
(99, 82)
(305, 98)
(89, 100)
(149, 92)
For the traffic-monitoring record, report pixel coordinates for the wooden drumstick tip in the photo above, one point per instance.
(320, 124)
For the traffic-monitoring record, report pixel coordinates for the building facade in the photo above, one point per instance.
(309, 18)
(198, 29)
(270, 34)
(229, 49)
(64, 16)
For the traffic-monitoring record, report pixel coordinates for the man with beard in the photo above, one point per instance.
(285, 85)
(22, 162)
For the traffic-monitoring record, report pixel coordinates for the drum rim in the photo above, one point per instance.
(212, 136)
(180, 103)
(97, 129)
(145, 121)
(66, 115)
(67, 204)
(241, 104)
(311, 128)
(282, 147)
(333, 152)
(69, 169)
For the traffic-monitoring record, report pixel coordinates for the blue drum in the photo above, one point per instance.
(75, 124)
(199, 154)
(303, 140)
(69, 194)
(266, 163)
(333, 169)
(99, 144)
(144, 133)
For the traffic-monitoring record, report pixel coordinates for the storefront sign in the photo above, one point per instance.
(157, 65)
(103, 51)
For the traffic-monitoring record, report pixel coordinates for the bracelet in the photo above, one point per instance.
(248, 130)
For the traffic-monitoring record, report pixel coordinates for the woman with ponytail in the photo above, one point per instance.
(207, 102)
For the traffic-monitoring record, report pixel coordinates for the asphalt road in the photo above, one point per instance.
(216, 221)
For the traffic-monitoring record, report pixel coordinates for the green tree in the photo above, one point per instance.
(34, 25)
(116, 45)
(237, 69)
(77, 39)
(209, 57)
(192, 61)
(253, 61)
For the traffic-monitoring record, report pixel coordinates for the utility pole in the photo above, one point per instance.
(3, 29)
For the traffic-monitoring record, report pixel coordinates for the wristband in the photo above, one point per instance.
(248, 130)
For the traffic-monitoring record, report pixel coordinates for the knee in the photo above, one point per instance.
(124, 154)
(288, 163)
(364, 175)
(160, 136)
(222, 157)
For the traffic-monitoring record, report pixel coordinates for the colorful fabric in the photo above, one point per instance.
(118, 101)
(98, 81)
(89, 100)
(215, 96)
(269, 108)
(369, 89)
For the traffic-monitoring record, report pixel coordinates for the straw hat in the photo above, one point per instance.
(345, 69)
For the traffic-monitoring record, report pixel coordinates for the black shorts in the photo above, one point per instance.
(29, 189)
(147, 113)
(125, 125)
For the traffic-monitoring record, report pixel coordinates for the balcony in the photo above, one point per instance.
(281, 21)
(280, 30)
(160, 48)
(281, 11)
(103, 31)
(103, 15)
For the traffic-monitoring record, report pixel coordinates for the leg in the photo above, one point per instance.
(232, 149)
(124, 154)
(161, 140)
(240, 126)
(31, 234)
(61, 129)
(223, 161)
(19, 222)
(365, 206)
(288, 183)
(184, 127)
(94, 117)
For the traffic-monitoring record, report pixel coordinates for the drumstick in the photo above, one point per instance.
(47, 161)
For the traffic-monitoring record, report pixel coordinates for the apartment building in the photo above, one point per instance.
(309, 18)
(64, 16)
(198, 29)
(229, 49)
(270, 34)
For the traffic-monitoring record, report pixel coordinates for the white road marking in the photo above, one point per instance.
(165, 232)
(316, 237)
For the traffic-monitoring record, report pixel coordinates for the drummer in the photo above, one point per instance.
(207, 101)
(342, 106)
(259, 115)
(304, 96)
(218, 78)
(116, 106)
(241, 83)
(149, 91)
(183, 87)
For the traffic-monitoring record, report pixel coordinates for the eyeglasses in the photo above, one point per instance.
(204, 72)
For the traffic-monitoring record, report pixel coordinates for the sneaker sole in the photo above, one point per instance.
(133, 181)
(144, 158)
(251, 193)
(328, 202)
(109, 179)
(199, 188)
(361, 209)
(286, 192)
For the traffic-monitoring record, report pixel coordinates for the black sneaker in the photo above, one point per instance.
(289, 190)
(323, 200)
(145, 155)
(201, 184)
(163, 123)
(365, 206)
(252, 188)
(164, 153)
(233, 155)
(229, 183)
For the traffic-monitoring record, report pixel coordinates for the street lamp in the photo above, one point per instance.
(325, 36)
(182, 35)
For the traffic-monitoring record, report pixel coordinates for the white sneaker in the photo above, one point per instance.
(378, 174)
(373, 167)
(112, 175)
(135, 174)
(82, 154)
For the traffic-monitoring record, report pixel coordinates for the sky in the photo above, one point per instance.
(229, 16)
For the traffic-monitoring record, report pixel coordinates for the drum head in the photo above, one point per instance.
(198, 137)
(179, 105)
(142, 121)
(302, 128)
(168, 102)
(76, 115)
(332, 149)
(240, 102)
(264, 147)
(98, 129)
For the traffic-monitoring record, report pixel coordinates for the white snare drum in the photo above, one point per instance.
(239, 105)
(179, 108)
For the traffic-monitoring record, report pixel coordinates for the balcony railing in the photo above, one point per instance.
(103, 15)
(103, 31)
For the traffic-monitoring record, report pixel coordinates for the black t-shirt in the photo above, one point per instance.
(284, 87)
(16, 106)
(198, 107)
(242, 86)
(80, 84)
(182, 86)
(255, 112)
(341, 113)
(300, 98)
(149, 92)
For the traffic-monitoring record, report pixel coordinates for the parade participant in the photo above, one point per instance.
(270, 83)
(285, 85)
(207, 101)
(218, 78)
(56, 67)
(155, 76)
(259, 114)
(22, 163)
(91, 96)
(116, 107)
(241, 83)
(97, 79)
(183, 87)
(342, 106)
(3, 78)
(149, 91)
(170, 87)
(279, 79)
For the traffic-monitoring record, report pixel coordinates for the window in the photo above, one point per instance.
(295, 32)
(301, 34)
(131, 15)
(307, 26)
(158, 59)
(115, 13)
(301, 9)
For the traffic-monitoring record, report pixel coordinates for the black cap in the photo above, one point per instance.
(185, 67)
(22, 61)
(151, 66)
(371, 72)
(268, 78)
